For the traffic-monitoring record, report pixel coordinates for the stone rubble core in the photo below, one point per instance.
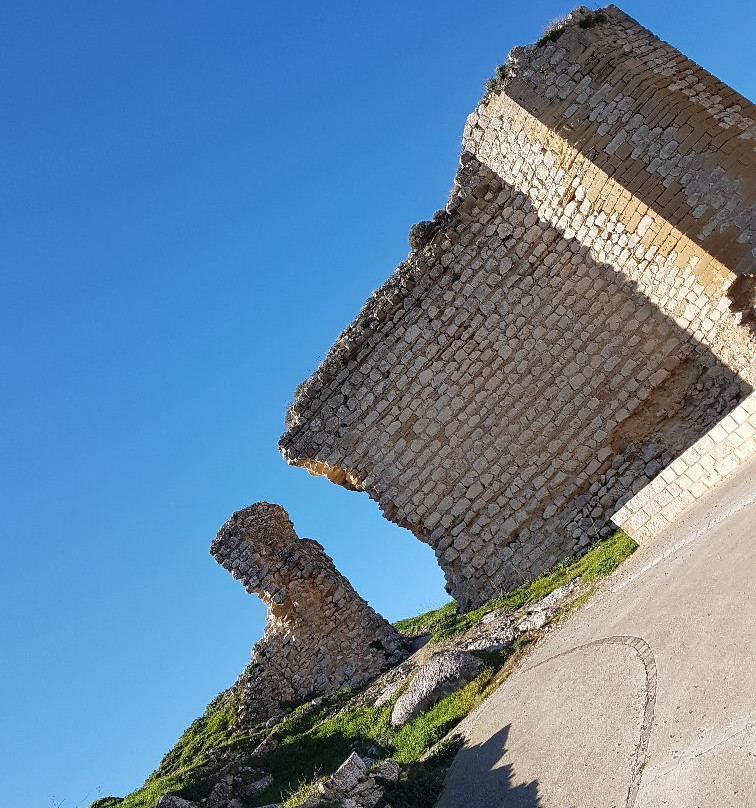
(320, 634)
(575, 318)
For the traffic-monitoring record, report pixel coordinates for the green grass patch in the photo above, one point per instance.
(313, 744)
(416, 737)
(187, 770)
(211, 730)
(428, 622)
(301, 757)
(598, 562)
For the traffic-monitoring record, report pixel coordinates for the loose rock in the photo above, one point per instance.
(169, 801)
(443, 675)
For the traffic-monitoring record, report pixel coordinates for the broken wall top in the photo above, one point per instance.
(320, 635)
(708, 124)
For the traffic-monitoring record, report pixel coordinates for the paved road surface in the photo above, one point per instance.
(645, 698)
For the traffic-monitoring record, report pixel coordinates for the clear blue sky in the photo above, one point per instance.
(197, 197)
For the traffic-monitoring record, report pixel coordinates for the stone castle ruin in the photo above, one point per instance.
(320, 634)
(568, 346)
(576, 318)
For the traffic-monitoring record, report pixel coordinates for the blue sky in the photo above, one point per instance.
(197, 198)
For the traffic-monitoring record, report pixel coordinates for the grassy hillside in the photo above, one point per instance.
(316, 737)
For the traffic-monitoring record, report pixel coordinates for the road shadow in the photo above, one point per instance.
(483, 781)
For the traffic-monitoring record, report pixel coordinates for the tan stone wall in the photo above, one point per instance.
(671, 134)
(697, 470)
(320, 635)
(563, 330)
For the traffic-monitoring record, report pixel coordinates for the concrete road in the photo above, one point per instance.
(647, 696)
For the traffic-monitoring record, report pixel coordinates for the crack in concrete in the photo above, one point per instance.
(646, 656)
(704, 749)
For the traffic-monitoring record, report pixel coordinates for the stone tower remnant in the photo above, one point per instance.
(320, 634)
(574, 319)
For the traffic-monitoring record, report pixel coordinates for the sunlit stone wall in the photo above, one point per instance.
(320, 635)
(572, 321)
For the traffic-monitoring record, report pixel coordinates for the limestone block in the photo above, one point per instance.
(443, 675)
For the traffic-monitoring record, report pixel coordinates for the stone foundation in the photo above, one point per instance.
(697, 470)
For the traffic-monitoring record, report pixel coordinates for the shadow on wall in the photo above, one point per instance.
(645, 384)
(687, 149)
(579, 351)
(493, 779)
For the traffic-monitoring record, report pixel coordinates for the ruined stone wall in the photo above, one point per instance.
(695, 472)
(563, 329)
(320, 635)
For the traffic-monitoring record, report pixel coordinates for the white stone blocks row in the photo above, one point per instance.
(722, 450)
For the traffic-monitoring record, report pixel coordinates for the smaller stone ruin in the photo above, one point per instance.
(320, 634)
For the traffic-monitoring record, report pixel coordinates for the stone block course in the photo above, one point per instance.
(701, 467)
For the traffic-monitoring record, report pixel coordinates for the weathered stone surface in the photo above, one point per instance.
(391, 683)
(537, 615)
(494, 632)
(443, 675)
(249, 789)
(353, 785)
(388, 770)
(168, 801)
(320, 634)
(568, 328)
(346, 777)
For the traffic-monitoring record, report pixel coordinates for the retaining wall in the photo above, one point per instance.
(688, 477)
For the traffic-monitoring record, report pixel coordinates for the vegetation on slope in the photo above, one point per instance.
(598, 562)
(316, 737)
(307, 752)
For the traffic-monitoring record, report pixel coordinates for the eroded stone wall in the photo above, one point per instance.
(563, 329)
(320, 635)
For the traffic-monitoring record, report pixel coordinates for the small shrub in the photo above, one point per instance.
(552, 33)
(498, 80)
(556, 28)
(592, 19)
